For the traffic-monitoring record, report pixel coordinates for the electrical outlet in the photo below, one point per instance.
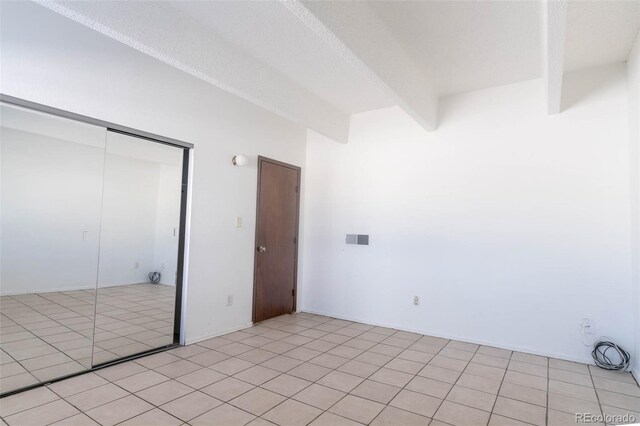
(136, 265)
(588, 332)
(238, 222)
(587, 326)
(229, 299)
(416, 300)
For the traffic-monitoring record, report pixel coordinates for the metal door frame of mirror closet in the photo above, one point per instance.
(186, 147)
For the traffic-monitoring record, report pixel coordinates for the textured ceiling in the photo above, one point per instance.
(468, 45)
(171, 36)
(273, 35)
(600, 32)
(317, 62)
(365, 42)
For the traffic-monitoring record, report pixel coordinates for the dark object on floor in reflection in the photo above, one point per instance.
(610, 356)
(154, 277)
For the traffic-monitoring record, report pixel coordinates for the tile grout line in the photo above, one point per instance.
(118, 399)
(260, 386)
(497, 394)
(500, 387)
(39, 338)
(595, 390)
(70, 309)
(336, 369)
(332, 370)
(368, 378)
(452, 384)
(312, 383)
(468, 362)
(352, 359)
(546, 411)
(416, 375)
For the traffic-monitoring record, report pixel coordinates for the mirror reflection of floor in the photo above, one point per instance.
(48, 335)
(45, 335)
(132, 319)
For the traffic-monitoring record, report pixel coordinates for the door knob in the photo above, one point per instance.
(262, 249)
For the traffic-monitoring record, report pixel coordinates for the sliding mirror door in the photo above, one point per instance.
(139, 247)
(51, 176)
(92, 223)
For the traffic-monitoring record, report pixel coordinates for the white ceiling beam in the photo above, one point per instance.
(554, 21)
(354, 31)
(166, 34)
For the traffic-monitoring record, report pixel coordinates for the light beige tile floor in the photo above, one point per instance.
(132, 319)
(306, 369)
(49, 335)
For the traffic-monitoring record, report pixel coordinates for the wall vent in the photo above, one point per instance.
(358, 239)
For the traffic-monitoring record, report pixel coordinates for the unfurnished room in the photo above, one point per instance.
(323, 213)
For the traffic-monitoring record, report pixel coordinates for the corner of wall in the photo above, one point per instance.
(633, 75)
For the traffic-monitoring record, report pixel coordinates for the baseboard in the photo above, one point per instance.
(635, 372)
(191, 341)
(565, 357)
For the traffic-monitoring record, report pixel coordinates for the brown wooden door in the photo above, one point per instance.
(276, 247)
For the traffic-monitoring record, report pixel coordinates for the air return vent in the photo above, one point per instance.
(358, 239)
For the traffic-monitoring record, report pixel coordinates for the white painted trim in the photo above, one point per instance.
(453, 337)
(211, 336)
(419, 101)
(554, 30)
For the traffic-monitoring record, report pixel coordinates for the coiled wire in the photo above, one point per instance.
(606, 354)
(154, 277)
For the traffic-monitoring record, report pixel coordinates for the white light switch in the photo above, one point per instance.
(238, 222)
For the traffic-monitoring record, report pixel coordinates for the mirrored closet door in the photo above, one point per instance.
(138, 247)
(51, 173)
(91, 235)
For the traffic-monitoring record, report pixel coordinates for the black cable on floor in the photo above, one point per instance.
(602, 354)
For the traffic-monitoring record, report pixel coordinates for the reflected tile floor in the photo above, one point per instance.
(48, 335)
(132, 319)
(305, 369)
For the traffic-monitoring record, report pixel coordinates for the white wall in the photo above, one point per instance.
(509, 224)
(51, 60)
(633, 74)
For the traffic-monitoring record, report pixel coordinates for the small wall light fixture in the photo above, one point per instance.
(239, 160)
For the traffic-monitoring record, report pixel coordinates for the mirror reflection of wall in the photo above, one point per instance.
(50, 204)
(90, 225)
(139, 237)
